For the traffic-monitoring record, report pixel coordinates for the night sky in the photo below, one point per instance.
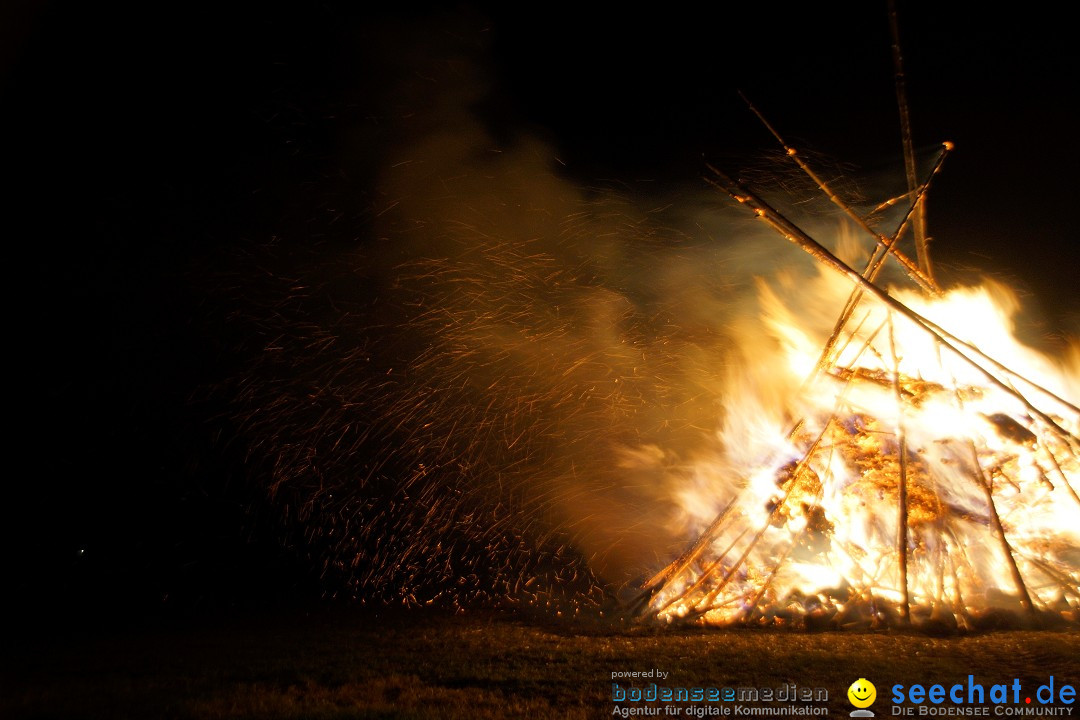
(155, 149)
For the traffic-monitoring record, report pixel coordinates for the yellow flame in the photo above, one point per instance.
(813, 462)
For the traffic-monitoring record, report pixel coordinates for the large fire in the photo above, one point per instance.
(526, 393)
(913, 461)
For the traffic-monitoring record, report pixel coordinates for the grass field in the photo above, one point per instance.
(365, 664)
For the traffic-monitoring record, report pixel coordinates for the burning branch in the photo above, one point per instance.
(902, 504)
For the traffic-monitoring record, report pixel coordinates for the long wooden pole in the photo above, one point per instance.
(902, 498)
(999, 530)
(922, 251)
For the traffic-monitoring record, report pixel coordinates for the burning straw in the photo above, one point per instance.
(910, 432)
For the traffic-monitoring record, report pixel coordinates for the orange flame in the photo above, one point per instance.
(825, 462)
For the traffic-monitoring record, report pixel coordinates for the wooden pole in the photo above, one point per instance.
(1060, 472)
(902, 499)
(922, 252)
(1006, 547)
(677, 567)
(705, 574)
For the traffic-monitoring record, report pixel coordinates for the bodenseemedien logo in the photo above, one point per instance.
(862, 694)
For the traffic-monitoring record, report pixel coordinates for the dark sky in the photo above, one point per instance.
(150, 143)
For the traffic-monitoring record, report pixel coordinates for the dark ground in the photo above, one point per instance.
(360, 663)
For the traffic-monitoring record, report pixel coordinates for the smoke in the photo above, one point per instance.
(503, 387)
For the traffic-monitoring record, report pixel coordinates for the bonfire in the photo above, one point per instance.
(926, 472)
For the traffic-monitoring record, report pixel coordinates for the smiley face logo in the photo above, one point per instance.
(862, 693)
